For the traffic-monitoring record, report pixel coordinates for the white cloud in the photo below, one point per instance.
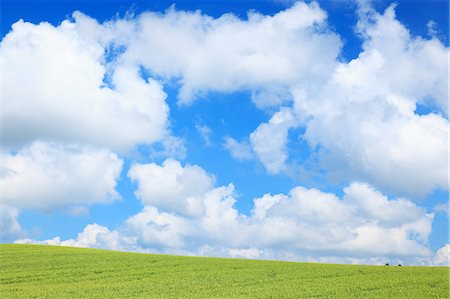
(363, 122)
(307, 224)
(263, 204)
(375, 206)
(219, 214)
(415, 68)
(228, 54)
(67, 104)
(205, 133)
(45, 176)
(93, 235)
(63, 69)
(239, 150)
(179, 233)
(269, 141)
(404, 154)
(298, 224)
(442, 256)
(311, 220)
(158, 230)
(171, 187)
(431, 26)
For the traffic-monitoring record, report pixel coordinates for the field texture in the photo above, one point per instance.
(38, 271)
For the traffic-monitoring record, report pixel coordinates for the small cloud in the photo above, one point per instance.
(170, 147)
(441, 208)
(174, 147)
(239, 150)
(432, 28)
(269, 140)
(205, 133)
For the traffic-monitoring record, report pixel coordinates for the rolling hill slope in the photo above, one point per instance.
(39, 271)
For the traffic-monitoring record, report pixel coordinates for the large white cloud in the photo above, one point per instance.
(364, 119)
(54, 89)
(442, 256)
(404, 154)
(306, 224)
(364, 223)
(66, 106)
(415, 67)
(263, 53)
(46, 176)
(314, 220)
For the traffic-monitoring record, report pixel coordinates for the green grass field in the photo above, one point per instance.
(38, 271)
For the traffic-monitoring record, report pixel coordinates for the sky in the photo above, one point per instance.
(305, 131)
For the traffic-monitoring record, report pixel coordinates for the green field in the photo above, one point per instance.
(39, 271)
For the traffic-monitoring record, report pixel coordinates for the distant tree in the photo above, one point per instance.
(387, 264)
(399, 265)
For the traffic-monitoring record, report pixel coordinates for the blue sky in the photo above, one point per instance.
(313, 131)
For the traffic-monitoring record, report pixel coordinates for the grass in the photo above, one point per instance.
(39, 271)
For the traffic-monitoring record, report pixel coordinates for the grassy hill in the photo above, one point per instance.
(38, 271)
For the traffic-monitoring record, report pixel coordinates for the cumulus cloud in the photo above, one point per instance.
(415, 65)
(363, 122)
(405, 155)
(227, 54)
(93, 235)
(67, 106)
(442, 256)
(171, 187)
(377, 207)
(158, 230)
(321, 221)
(66, 98)
(45, 176)
(269, 140)
(306, 224)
